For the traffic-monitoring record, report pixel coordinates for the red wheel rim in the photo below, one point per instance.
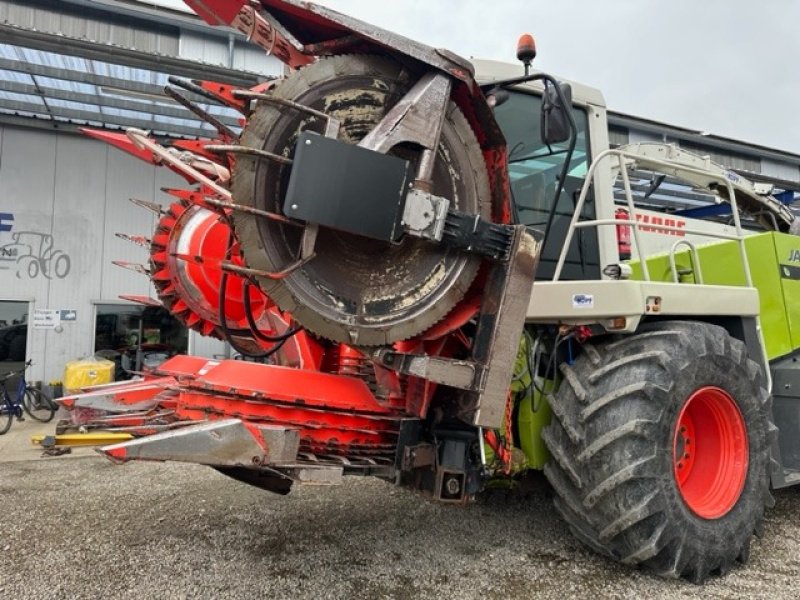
(710, 452)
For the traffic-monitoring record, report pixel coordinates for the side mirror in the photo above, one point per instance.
(555, 123)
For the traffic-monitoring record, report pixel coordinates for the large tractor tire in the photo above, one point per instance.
(356, 290)
(661, 449)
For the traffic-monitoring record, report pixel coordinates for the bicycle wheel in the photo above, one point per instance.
(38, 405)
(5, 418)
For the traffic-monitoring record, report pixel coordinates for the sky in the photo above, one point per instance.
(726, 67)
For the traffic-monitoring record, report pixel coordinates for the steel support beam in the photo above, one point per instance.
(80, 439)
(138, 87)
(59, 44)
(105, 101)
(92, 117)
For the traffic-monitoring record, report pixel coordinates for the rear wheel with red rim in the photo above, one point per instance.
(661, 448)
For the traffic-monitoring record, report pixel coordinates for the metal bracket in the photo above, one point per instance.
(461, 374)
(135, 267)
(247, 151)
(230, 267)
(424, 215)
(226, 132)
(332, 124)
(476, 235)
(487, 375)
(153, 207)
(500, 323)
(416, 118)
(139, 240)
(143, 141)
(314, 475)
(417, 457)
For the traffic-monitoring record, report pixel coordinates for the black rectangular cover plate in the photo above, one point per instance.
(348, 188)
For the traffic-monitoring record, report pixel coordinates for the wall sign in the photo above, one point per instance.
(45, 318)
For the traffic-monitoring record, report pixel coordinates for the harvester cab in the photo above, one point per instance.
(369, 244)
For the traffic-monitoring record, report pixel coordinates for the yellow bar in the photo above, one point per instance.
(81, 439)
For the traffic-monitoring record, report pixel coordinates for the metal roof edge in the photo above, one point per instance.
(702, 138)
(61, 44)
(156, 14)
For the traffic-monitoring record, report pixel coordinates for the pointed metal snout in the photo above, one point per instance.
(222, 443)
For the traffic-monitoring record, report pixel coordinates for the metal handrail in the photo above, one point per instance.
(622, 155)
(675, 169)
(695, 258)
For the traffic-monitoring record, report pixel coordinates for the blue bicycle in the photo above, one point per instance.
(28, 399)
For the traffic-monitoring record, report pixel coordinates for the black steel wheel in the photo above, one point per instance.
(38, 405)
(661, 449)
(356, 290)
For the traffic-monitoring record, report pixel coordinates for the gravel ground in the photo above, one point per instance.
(84, 528)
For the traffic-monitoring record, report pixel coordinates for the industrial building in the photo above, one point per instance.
(65, 196)
(66, 64)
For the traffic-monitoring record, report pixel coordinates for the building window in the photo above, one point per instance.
(137, 337)
(724, 158)
(617, 136)
(13, 335)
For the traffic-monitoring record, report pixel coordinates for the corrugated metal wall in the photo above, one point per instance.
(87, 26)
(216, 51)
(780, 170)
(75, 190)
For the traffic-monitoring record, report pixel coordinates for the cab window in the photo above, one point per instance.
(534, 169)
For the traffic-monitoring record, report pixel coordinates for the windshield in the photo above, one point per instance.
(534, 168)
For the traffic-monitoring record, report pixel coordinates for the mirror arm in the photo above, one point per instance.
(573, 136)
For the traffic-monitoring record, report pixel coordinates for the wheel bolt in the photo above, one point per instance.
(452, 486)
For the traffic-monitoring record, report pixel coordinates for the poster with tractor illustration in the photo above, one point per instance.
(33, 254)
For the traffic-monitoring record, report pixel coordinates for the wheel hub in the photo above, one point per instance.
(710, 453)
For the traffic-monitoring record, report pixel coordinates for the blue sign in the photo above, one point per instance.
(6, 221)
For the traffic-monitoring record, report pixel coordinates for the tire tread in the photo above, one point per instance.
(608, 470)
